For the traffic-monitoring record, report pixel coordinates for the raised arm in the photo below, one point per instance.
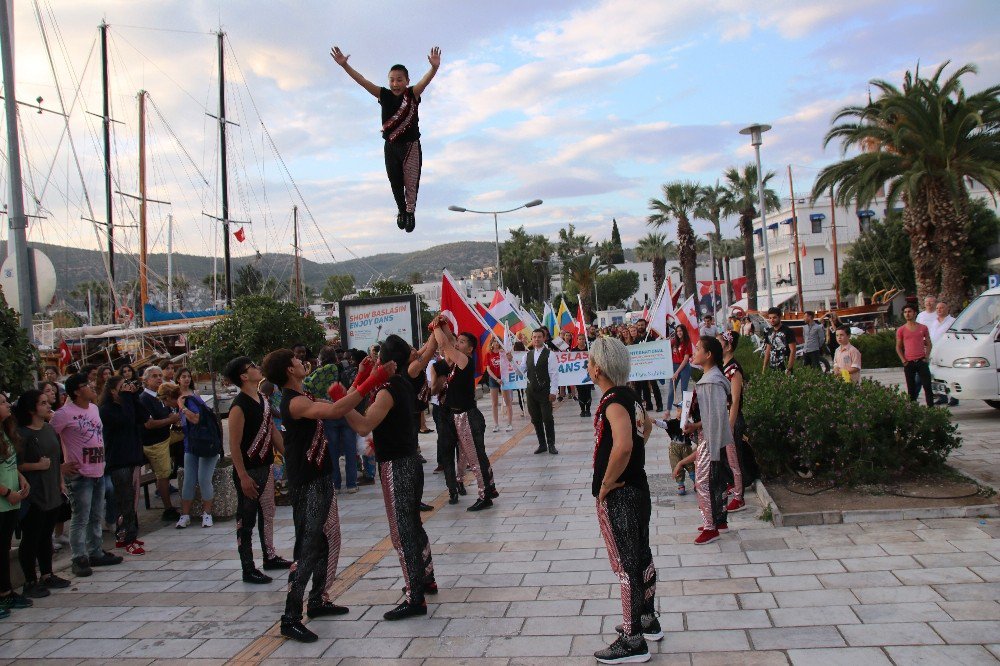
(340, 58)
(435, 60)
(446, 343)
(424, 356)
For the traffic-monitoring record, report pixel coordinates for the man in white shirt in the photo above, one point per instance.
(929, 313)
(708, 329)
(941, 322)
(542, 372)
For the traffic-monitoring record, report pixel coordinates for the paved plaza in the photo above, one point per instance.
(528, 582)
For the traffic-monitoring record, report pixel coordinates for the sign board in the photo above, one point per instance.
(368, 321)
(648, 360)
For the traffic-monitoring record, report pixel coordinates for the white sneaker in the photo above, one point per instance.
(56, 546)
(206, 520)
(183, 522)
(496, 428)
(507, 428)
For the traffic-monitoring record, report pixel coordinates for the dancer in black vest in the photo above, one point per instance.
(464, 424)
(391, 421)
(542, 372)
(623, 502)
(252, 429)
(309, 473)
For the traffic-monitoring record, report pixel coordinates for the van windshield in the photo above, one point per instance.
(980, 317)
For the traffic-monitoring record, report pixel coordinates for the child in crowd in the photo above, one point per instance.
(680, 449)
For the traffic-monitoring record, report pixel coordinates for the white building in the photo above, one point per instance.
(646, 293)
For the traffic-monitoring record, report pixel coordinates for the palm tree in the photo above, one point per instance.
(741, 198)
(679, 201)
(582, 271)
(711, 206)
(924, 141)
(94, 294)
(653, 248)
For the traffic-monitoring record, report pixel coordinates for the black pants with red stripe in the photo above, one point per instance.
(403, 161)
(624, 520)
(317, 545)
(402, 487)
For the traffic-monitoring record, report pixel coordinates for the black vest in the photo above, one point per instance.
(538, 375)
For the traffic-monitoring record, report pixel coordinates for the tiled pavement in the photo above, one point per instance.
(528, 582)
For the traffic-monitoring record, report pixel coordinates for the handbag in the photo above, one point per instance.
(204, 438)
(64, 511)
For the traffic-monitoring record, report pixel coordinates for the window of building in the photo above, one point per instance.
(819, 268)
(645, 278)
(817, 226)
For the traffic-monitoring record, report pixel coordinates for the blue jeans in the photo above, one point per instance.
(682, 383)
(342, 441)
(198, 470)
(86, 497)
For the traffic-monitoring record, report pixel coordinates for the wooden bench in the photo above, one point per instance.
(146, 479)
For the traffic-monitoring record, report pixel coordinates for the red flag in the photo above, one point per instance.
(739, 286)
(687, 316)
(65, 355)
(466, 318)
(240, 234)
(581, 321)
(803, 246)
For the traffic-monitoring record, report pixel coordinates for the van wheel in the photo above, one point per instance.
(995, 404)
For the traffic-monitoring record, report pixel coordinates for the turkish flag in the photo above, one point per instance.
(687, 315)
(739, 286)
(466, 318)
(240, 234)
(65, 355)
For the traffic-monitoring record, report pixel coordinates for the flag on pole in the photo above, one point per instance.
(687, 316)
(466, 318)
(503, 311)
(581, 322)
(549, 319)
(565, 319)
(663, 310)
(240, 234)
(65, 354)
(529, 319)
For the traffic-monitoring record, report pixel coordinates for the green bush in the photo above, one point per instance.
(849, 433)
(18, 357)
(878, 350)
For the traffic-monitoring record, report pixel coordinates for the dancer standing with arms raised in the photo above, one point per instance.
(623, 502)
(403, 155)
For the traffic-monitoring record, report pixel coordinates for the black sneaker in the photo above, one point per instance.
(430, 587)
(16, 601)
(106, 559)
(625, 650)
(35, 590)
(461, 489)
(426, 507)
(81, 566)
(405, 610)
(326, 608)
(297, 631)
(276, 563)
(541, 449)
(401, 220)
(453, 497)
(651, 630)
(492, 492)
(54, 582)
(411, 223)
(255, 577)
(483, 503)
(552, 449)
(170, 514)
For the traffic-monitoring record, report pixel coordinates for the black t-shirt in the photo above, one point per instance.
(417, 384)
(635, 472)
(301, 437)
(461, 393)
(253, 417)
(391, 105)
(156, 410)
(122, 428)
(779, 341)
(395, 436)
(33, 446)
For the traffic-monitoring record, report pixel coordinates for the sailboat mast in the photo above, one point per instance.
(18, 233)
(224, 169)
(170, 263)
(106, 122)
(143, 280)
(795, 239)
(298, 263)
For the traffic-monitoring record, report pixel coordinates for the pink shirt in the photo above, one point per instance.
(847, 358)
(82, 436)
(913, 341)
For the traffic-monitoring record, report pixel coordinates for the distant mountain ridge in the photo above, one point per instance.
(75, 265)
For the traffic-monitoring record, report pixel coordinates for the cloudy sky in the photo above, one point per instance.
(590, 106)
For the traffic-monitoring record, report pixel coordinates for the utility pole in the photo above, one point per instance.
(795, 239)
(225, 171)
(18, 234)
(833, 233)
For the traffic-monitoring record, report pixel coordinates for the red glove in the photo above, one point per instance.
(379, 375)
(364, 369)
(336, 391)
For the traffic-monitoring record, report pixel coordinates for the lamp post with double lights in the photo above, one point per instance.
(496, 226)
(755, 131)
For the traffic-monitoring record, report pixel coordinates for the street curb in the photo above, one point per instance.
(870, 515)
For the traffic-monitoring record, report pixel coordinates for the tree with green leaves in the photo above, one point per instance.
(614, 287)
(256, 326)
(96, 297)
(18, 357)
(524, 278)
(653, 248)
(337, 287)
(921, 142)
(679, 202)
(582, 271)
(711, 207)
(249, 281)
(741, 198)
(618, 252)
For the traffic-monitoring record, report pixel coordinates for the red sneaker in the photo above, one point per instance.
(707, 536)
(735, 505)
(134, 549)
(722, 527)
(123, 544)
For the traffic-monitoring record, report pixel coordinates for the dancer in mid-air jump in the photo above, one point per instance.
(400, 130)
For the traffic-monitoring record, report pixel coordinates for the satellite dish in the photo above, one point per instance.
(45, 280)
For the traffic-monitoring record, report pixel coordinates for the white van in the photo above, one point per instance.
(965, 361)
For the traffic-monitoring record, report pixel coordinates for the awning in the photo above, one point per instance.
(773, 225)
(788, 221)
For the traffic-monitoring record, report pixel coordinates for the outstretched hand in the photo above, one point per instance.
(434, 58)
(340, 57)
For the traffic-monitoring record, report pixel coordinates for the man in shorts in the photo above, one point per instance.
(156, 437)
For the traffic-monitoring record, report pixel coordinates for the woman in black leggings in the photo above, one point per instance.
(13, 490)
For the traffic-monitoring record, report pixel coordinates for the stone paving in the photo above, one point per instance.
(528, 582)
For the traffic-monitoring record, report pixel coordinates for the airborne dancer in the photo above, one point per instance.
(403, 156)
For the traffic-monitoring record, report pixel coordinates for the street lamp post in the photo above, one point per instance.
(496, 226)
(755, 132)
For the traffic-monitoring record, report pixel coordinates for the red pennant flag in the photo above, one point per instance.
(240, 234)
(65, 355)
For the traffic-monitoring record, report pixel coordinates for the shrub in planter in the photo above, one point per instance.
(878, 350)
(849, 433)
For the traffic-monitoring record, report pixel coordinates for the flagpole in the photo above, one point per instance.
(656, 305)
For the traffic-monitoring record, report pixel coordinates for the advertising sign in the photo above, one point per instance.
(648, 360)
(368, 321)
